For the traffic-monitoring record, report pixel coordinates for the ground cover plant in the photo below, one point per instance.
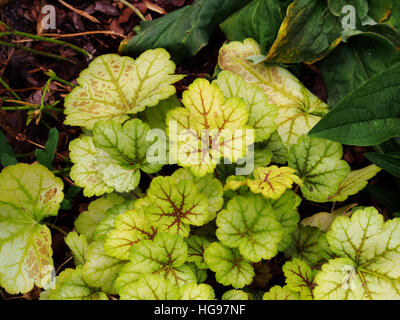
(234, 150)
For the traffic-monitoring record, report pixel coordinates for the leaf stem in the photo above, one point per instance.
(136, 10)
(53, 226)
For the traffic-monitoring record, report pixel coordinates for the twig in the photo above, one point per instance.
(88, 33)
(153, 7)
(134, 9)
(80, 12)
(53, 226)
(38, 52)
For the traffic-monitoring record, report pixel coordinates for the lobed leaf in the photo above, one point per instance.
(114, 87)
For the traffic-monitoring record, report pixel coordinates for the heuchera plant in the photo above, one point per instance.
(203, 220)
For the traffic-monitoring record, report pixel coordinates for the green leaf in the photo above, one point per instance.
(206, 185)
(308, 33)
(275, 145)
(28, 194)
(87, 221)
(130, 228)
(260, 20)
(72, 191)
(271, 182)
(114, 87)
(299, 109)
(355, 182)
(370, 115)
(78, 245)
(100, 270)
(165, 255)
(229, 266)
(281, 293)
(150, 287)
(182, 32)
(174, 206)
(299, 278)
(318, 164)
(361, 7)
(7, 156)
(70, 286)
(287, 215)
(82, 153)
(196, 247)
(156, 120)
(394, 18)
(46, 156)
(249, 223)
(262, 115)
(235, 295)
(389, 200)
(389, 162)
(116, 157)
(368, 253)
(352, 64)
(304, 245)
(194, 291)
(107, 224)
(208, 129)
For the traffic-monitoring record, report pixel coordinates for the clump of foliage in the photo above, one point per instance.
(204, 224)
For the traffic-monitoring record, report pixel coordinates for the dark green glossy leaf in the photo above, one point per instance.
(182, 32)
(308, 33)
(352, 64)
(367, 116)
(7, 156)
(259, 20)
(386, 199)
(388, 162)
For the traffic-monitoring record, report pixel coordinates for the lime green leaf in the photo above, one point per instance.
(70, 286)
(259, 20)
(249, 223)
(107, 224)
(308, 33)
(46, 156)
(271, 182)
(206, 185)
(323, 220)
(318, 163)
(88, 220)
(196, 247)
(150, 287)
(101, 270)
(117, 154)
(83, 154)
(114, 87)
(194, 291)
(165, 255)
(368, 253)
(208, 129)
(201, 274)
(28, 194)
(78, 245)
(369, 116)
(281, 293)
(130, 228)
(304, 245)
(299, 278)
(182, 32)
(354, 182)
(173, 206)
(262, 115)
(235, 295)
(287, 215)
(229, 266)
(299, 109)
